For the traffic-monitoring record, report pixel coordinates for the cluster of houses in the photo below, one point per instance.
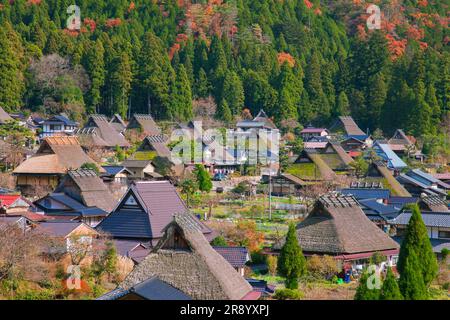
(169, 247)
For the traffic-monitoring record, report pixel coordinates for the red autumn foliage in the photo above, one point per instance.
(174, 49)
(72, 33)
(34, 2)
(286, 57)
(110, 23)
(90, 23)
(396, 47)
(415, 33)
(131, 7)
(308, 4)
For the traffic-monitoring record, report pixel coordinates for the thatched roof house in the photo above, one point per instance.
(118, 123)
(337, 226)
(184, 259)
(86, 187)
(347, 126)
(144, 123)
(99, 132)
(4, 116)
(54, 158)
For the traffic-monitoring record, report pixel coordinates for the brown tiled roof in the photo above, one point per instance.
(192, 265)
(56, 155)
(337, 225)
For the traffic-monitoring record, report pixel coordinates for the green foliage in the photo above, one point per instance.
(90, 166)
(390, 289)
(288, 294)
(291, 263)
(360, 166)
(416, 242)
(219, 242)
(364, 290)
(203, 179)
(188, 188)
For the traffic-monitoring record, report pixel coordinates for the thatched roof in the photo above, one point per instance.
(145, 123)
(56, 155)
(349, 126)
(103, 133)
(184, 259)
(395, 186)
(90, 189)
(118, 123)
(337, 225)
(4, 116)
(325, 171)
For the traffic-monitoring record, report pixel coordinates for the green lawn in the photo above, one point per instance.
(145, 155)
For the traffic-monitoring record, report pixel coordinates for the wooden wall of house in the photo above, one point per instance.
(33, 180)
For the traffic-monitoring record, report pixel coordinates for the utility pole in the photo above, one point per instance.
(270, 194)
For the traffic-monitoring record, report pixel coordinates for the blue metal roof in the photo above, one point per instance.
(63, 119)
(361, 138)
(379, 208)
(431, 219)
(113, 170)
(360, 194)
(437, 244)
(385, 152)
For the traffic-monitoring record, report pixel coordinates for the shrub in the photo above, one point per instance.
(288, 294)
(272, 264)
(219, 242)
(322, 266)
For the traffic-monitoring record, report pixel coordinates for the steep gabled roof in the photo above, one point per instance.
(108, 135)
(62, 228)
(393, 161)
(156, 204)
(56, 155)
(263, 118)
(145, 122)
(337, 225)
(433, 203)
(184, 259)
(118, 123)
(237, 257)
(91, 190)
(350, 127)
(4, 116)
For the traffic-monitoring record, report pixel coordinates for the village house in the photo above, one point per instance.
(81, 196)
(353, 146)
(56, 126)
(23, 223)
(55, 156)
(11, 204)
(116, 174)
(444, 177)
(100, 133)
(311, 132)
(237, 257)
(286, 184)
(118, 123)
(144, 123)
(4, 116)
(437, 223)
(338, 227)
(261, 121)
(417, 182)
(346, 127)
(184, 260)
(389, 157)
(319, 143)
(70, 232)
(144, 211)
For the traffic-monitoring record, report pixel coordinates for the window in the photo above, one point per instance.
(55, 127)
(444, 234)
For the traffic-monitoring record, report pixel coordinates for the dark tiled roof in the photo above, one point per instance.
(379, 208)
(437, 244)
(431, 219)
(402, 201)
(160, 202)
(236, 256)
(367, 193)
(113, 170)
(150, 289)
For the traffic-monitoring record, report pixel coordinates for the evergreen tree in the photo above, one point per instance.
(11, 77)
(390, 289)
(95, 67)
(233, 92)
(416, 244)
(363, 292)
(291, 263)
(121, 83)
(411, 283)
(182, 95)
(318, 100)
(223, 112)
(343, 105)
(202, 86)
(203, 178)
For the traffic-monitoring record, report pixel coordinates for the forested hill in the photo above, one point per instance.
(299, 60)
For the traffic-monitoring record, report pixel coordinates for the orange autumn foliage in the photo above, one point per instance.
(131, 7)
(308, 4)
(286, 57)
(90, 24)
(110, 23)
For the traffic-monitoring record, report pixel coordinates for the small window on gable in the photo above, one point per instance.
(131, 201)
